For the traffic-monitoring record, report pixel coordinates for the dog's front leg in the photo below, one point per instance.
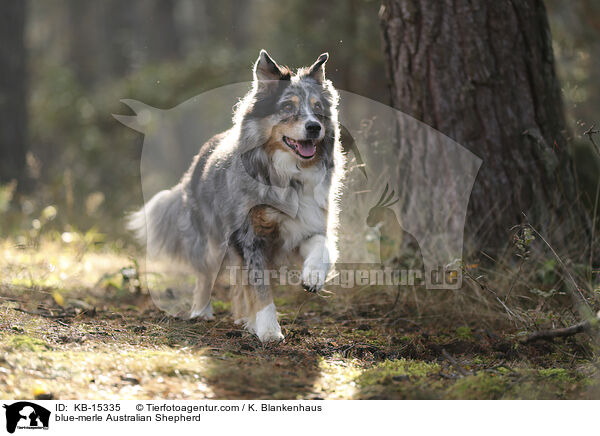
(262, 316)
(316, 262)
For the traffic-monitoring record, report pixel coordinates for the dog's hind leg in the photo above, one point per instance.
(206, 273)
(201, 305)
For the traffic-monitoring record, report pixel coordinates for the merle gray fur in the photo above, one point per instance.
(197, 221)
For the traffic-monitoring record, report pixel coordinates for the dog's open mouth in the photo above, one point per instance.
(305, 148)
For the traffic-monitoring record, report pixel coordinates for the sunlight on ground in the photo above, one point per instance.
(337, 378)
(73, 325)
(56, 264)
(104, 374)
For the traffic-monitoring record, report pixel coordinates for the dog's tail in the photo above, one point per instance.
(157, 223)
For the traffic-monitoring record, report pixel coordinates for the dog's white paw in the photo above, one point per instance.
(206, 313)
(266, 326)
(316, 263)
(270, 336)
(249, 325)
(313, 276)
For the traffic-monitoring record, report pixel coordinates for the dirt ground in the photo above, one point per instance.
(74, 326)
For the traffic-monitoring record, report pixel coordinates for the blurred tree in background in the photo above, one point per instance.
(84, 56)
(576, 42)
(13, 114)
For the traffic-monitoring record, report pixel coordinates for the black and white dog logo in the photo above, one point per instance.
(26, 415)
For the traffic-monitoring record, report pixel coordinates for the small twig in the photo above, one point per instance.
(311, 296)
(590, 134)
(563, 332)
(454, 363)
(558, 333)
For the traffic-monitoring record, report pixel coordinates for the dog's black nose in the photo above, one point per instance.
(313, 128)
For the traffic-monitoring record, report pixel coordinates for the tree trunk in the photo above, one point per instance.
(160, 30)
(482, 72)
(13, 108)
(99, 34)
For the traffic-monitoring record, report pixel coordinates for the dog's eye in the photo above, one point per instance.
(288, 107)
(318, 107)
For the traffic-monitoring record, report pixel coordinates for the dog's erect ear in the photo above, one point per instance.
(265, 68)
(317, 70)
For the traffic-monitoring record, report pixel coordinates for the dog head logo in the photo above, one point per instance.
(26, 415)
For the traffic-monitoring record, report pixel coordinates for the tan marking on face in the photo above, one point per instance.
(275, 141)
(313, 101)
(284, 128)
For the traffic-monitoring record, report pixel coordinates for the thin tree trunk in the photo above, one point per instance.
(13, 108)
(100, 35)
(482, 72)
(160, 31)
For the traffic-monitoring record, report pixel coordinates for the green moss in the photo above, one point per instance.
(221, 306)
(464, 333)
(25, 343)
(366, 334)
(557, 374)
(477, 360)
(385, 372)
(482, 386)
(554, 383)
(522, 384)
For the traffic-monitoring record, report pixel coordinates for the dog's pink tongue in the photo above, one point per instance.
(306, 148)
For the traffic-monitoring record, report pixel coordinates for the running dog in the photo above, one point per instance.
(260, 193)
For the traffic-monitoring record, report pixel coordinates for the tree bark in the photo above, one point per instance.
(482, 72)
(13, 108)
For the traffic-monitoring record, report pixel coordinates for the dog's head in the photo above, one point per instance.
(295, 111)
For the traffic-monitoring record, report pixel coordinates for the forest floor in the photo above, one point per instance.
(72, 328)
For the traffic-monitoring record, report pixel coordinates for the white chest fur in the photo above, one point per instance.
(313, 197)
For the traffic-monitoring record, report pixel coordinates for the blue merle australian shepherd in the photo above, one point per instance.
(261, 194)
